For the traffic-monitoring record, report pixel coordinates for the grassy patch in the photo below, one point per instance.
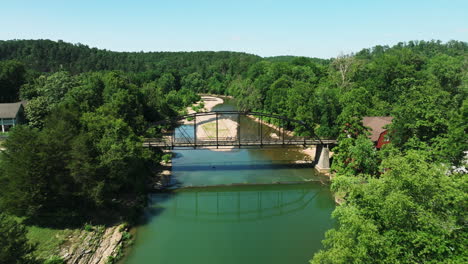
(48, 239)
(210, 130)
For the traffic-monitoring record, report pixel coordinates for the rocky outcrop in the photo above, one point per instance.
(93, 247)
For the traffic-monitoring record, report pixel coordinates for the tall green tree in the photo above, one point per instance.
(12, 76)
(414, 213)
(14, 246)
(45, 94)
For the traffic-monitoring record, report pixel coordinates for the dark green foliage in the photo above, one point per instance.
(14, 246)
(54, 260)
(423, 114)
(414, 213)
(452, 145)
(51, 56)
(298, 60)
(355, 156)
(87, 155)
(12, 76)
(44, 94)
(403, 204)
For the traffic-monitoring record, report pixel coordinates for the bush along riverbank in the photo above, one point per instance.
(161, 173)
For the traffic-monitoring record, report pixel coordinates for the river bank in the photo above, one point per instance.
(310, 151)
(208, 101)
(97, 245)
(86, 245)
(206, 125)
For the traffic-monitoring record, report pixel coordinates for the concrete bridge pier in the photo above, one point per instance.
(322, 158)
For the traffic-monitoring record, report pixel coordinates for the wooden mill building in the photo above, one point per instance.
(378, 132)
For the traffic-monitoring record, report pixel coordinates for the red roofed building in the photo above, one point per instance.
(378, 132)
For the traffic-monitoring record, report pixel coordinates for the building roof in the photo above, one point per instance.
(376, 124)
(10, 110)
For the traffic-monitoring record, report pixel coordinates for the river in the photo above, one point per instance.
(258, 222)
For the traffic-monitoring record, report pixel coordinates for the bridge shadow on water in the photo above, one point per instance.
(239, 203)
(242, 165)
(235, 202)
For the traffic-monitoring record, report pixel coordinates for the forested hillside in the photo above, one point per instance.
(51, 56)
(46, 56)
(88, 110)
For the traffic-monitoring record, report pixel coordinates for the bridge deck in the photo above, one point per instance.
(233, 143)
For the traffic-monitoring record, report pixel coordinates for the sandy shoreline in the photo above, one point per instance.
(206, 125)
(310, 152)
(209, 101)
(256, 119)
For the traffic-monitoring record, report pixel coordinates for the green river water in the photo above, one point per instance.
(258, 222)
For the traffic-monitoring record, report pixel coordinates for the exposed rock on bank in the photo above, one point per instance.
(98, 246)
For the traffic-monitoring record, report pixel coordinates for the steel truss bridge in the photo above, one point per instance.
(221, 129)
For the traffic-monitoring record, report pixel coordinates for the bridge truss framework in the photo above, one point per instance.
(219, 134)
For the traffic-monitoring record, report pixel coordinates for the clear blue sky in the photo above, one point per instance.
(264, 27)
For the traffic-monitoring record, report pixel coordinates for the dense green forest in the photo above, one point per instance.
(88, 110)
(46, 56)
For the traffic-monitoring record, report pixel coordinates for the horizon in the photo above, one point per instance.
(265, 57)
(264, 28)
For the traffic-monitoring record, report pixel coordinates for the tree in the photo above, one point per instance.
(345, 66)
(193, 82)
(355, 156)
(48, 92)
(23, 183)
(414, 213)
(14, 246)
(447, 70)
(451, 147)
(35, 178)
(12, 76)
(108, 160)
(167, 83)
(422, 115)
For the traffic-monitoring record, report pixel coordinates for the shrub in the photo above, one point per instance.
(166, 158)
(88, 227)
(55, 260)
(126, 236)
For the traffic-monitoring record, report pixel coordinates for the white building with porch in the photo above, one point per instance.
(11, 114)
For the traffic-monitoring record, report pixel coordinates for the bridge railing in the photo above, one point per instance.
(229, 141)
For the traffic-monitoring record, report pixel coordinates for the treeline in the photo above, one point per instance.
(52, 56)
(380, 79)
(30, 58)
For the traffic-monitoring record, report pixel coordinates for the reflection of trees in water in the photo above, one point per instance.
(238, 204)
